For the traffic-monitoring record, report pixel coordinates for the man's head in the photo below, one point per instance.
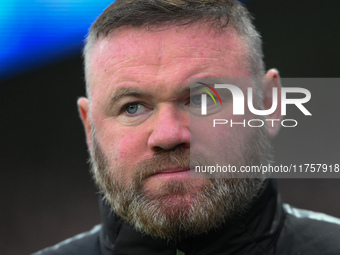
(139, 59)
(152, 15)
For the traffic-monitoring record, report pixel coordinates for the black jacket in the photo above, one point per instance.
(268, 228)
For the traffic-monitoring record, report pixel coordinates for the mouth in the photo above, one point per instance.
(173, 173)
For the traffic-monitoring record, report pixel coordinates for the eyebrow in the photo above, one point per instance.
(136, 92)
(128, 92)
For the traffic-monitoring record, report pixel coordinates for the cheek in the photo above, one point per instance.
(121, 144)
(125, 147)
(221, 139)
(130, 146)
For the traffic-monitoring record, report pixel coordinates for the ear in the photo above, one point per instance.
(272, 80)
(83, 107)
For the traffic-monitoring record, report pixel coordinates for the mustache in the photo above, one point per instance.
(178, 157)
(164, 159)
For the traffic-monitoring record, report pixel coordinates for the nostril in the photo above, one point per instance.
(183, 148)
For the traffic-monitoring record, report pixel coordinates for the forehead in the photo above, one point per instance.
(167, 52)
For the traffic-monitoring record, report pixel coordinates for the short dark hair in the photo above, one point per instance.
(155, 13)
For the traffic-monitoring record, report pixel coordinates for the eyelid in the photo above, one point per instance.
(147, 107)
(133, 119)
(124, 111)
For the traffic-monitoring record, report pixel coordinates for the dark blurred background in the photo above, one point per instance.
(46, 192)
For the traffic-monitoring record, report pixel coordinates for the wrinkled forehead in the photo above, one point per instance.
(162, 46)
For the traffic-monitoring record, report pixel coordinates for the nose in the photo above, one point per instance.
(171, 128)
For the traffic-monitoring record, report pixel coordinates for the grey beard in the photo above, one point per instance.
(197, 209)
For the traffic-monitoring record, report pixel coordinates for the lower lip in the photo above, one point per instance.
(173, 174)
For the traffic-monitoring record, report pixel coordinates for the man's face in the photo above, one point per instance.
(139, 129)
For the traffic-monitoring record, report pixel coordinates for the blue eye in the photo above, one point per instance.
(134, 109)
(196, 99)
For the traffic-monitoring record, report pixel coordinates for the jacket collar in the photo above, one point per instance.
(253, 233)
